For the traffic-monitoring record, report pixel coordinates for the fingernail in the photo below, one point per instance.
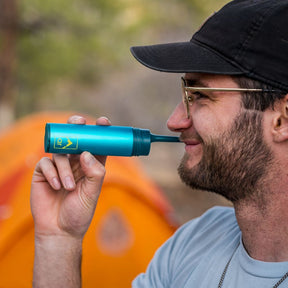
(56, 184)
(69, 183)
(105, 118)
(77, 119)
(89, 159)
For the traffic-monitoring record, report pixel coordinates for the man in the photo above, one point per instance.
(234, 122)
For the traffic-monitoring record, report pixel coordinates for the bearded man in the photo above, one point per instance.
(233, 119)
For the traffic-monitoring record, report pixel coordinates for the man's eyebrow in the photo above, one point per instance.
(195, 83)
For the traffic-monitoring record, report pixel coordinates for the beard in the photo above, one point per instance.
(233, 164)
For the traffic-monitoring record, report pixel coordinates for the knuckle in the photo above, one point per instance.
(44, 162)
(46, 168)
(98, 172)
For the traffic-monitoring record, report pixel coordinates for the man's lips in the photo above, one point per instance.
(190, 140)
(191, 143)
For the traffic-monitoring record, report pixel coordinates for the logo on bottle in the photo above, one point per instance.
(65, 143)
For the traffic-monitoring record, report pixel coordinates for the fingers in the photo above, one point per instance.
(45, 168)
(103, 121)
(65, 172)
(91, 167)
(65, 175)
(95, 173)
(63, 162)
(56, 172)
(75, 119)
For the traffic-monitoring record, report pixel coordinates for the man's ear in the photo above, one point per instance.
(280, 121)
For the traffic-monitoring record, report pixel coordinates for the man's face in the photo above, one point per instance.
(225, 151)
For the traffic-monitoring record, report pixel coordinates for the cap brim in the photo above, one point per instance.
(183, 57)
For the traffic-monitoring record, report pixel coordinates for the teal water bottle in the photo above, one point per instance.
(100, 140)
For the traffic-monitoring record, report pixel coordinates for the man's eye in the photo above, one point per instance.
(198, 95)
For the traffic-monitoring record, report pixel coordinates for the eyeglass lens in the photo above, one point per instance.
(186, 99)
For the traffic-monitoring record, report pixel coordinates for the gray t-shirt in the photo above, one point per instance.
(196, 255)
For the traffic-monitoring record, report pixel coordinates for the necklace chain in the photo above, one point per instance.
(227, 266)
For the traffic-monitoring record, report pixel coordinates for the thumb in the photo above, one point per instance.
(94, 172)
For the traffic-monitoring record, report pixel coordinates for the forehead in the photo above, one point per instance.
(211, 80)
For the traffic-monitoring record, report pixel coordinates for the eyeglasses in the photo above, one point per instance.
(189, 93)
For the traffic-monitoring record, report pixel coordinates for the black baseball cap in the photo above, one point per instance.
(245, 37)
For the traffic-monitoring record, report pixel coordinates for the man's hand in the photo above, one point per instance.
(64, 194)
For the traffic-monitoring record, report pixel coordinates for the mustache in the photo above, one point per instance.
(187, 137)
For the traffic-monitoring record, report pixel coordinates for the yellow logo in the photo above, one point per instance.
(65, 143)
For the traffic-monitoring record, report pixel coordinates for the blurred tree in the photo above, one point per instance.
(63, 43)
(8, 35)
(205, 7)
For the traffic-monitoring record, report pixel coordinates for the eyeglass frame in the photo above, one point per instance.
(188, 101)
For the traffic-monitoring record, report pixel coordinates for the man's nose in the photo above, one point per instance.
(178, 120)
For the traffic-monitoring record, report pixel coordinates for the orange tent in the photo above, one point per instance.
(132, 218)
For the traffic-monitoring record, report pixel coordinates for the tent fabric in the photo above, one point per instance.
(133, 217)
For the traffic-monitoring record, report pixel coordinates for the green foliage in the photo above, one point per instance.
(82, 40)
(205, 7)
